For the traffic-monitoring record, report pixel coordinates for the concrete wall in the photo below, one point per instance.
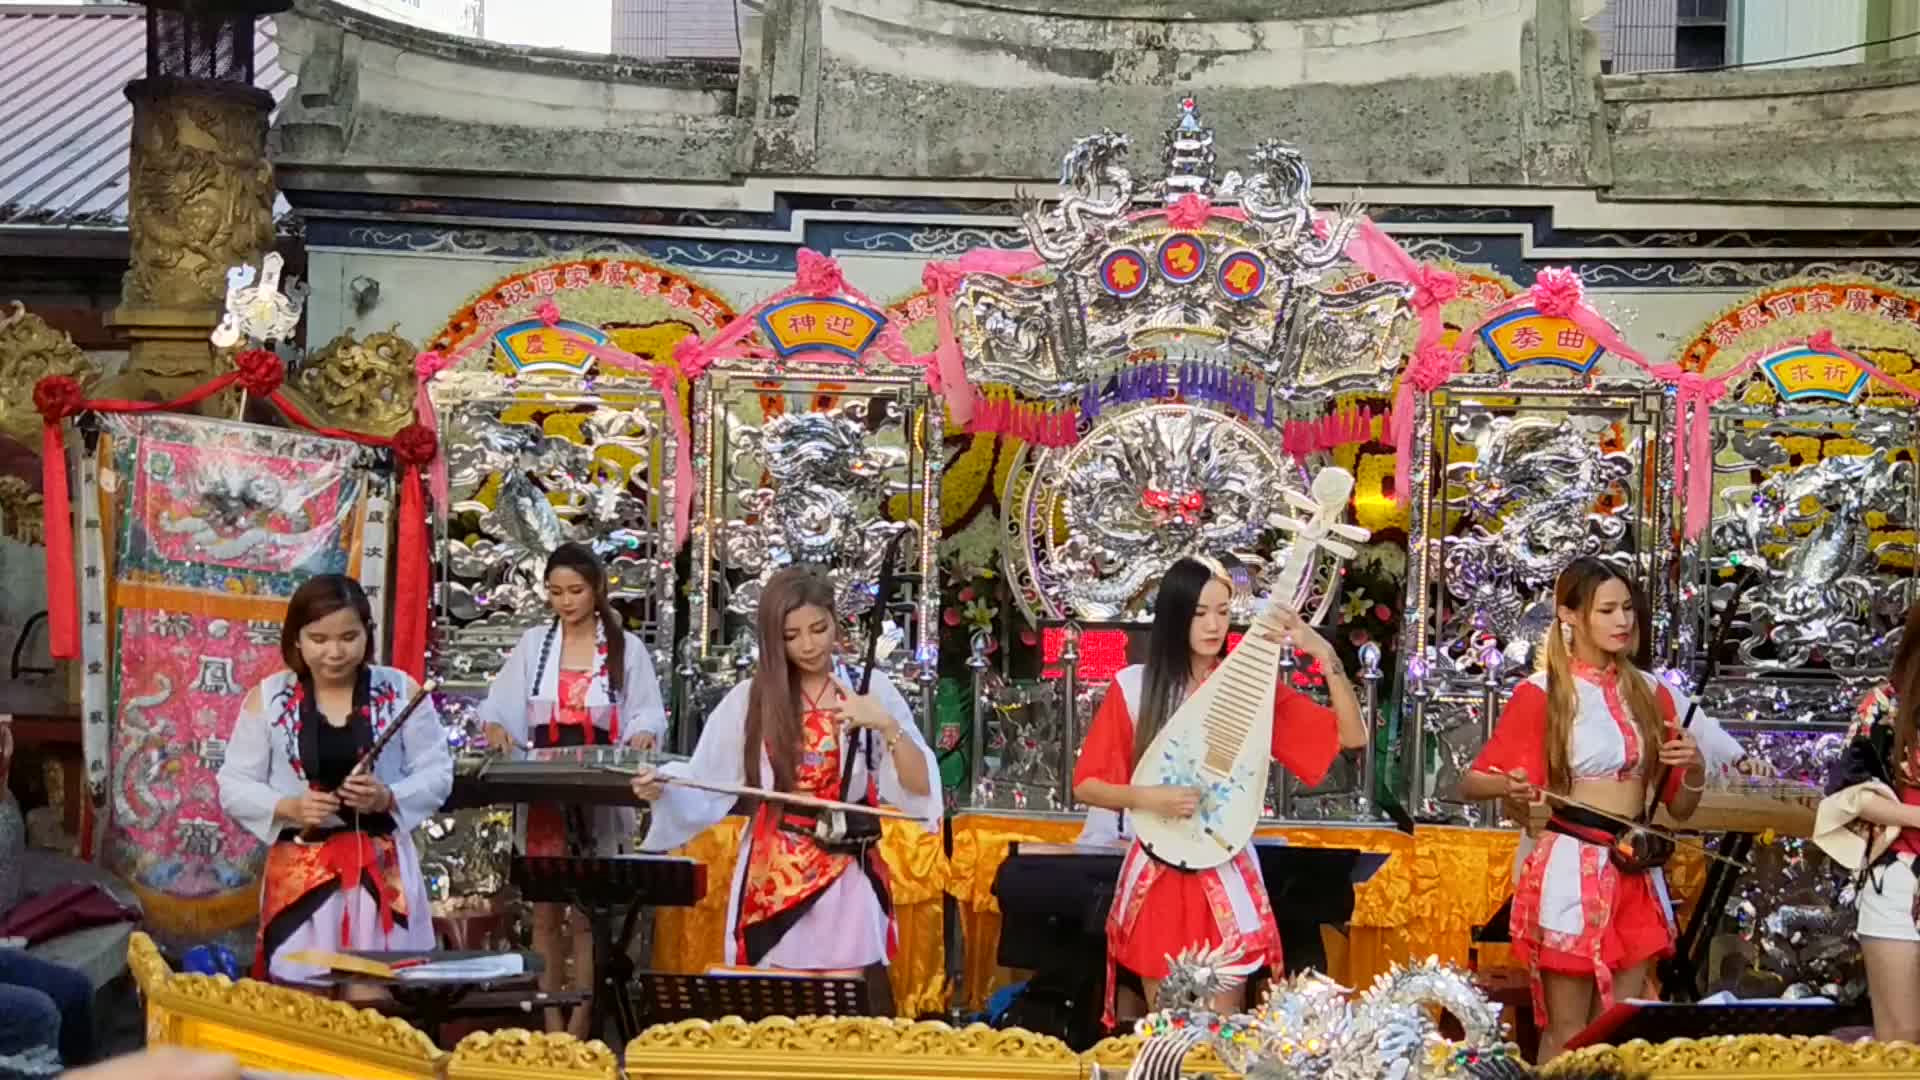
(1811, 135)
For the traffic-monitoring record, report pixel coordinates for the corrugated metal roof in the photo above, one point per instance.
(66, 123)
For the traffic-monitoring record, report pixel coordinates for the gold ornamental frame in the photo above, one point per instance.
(275, 1028)
(833, 1049)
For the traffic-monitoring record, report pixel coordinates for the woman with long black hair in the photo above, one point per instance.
(1591, 729)
(578, 680)
(800, 901)
(1160, 910)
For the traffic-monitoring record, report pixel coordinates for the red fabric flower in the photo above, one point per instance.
(415, 445)
(941, 279)
(817, 274)
(1433, 288)
(548, 312)
(261, 372)
(58, 397)
(1189, 211)
(1432, 366)
(1821, 341)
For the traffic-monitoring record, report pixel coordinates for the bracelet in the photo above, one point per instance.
(1689, 788)
(893, 740)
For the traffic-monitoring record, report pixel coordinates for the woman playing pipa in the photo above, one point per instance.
(1159, 909)
(341, 871)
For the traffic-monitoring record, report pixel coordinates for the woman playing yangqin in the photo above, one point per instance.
(578, 680)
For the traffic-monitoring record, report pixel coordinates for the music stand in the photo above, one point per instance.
(667, 996)
(1656, 1022)
(606, 889)
(1311, 887)
(1499, 929)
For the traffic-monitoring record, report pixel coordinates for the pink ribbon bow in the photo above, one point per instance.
(1432, 366)
(1693, 397)
(426, 366)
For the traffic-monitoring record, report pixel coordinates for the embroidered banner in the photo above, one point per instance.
(212, 526)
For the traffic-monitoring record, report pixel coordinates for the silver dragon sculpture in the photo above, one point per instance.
(1310, 1028)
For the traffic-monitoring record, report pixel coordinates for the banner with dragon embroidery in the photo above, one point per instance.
(213, 525)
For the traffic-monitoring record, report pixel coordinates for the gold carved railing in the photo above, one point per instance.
(837, 1049)
(274, 1028)
(1742, 1057)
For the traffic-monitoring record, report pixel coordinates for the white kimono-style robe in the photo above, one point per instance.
(259, 771)
(846, 928)
(522, 699)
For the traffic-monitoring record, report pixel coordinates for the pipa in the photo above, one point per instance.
(1220, 741)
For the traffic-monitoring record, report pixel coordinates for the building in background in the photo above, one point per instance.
(676, 29)
(1690, 35)
(463, 17)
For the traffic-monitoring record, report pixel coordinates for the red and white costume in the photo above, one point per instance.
(1158, 909)
(1574, 912)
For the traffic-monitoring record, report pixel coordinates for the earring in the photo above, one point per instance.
(1566, 634)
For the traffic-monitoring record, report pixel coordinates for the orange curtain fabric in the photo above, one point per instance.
(1435, 888)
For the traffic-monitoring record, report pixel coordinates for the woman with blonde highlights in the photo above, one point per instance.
(1592, 729)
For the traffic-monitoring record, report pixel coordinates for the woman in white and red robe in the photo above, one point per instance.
(1159, 910)
(1594, 730)
(798, 903)
(290, 769)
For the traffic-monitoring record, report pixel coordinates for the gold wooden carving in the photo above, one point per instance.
(31, 350)
(1744, 1057)
(276, 1028)
(363, 385)
(526, 1055)
(1113, 1055)
(200, 194)
(199, 201)
(22, 511)
(838, 1048)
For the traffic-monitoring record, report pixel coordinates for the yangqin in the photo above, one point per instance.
(1220, 741)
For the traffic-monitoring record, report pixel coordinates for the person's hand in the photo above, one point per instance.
(647, 784)
(1521, 795)
(163, 1063)
(497, 738)
(365, 793)
(1287, 625)
(1681, 752)
(1169, 801)
(865, 711)
(642, 740)
(314, 808)
(1757, 767)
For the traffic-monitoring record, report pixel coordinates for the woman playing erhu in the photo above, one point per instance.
(1588, 734)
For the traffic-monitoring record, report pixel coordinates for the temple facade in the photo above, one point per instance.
(887, 133)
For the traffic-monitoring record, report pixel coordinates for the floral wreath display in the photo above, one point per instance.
(548, 320)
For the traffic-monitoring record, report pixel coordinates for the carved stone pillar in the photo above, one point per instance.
(200, 191)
